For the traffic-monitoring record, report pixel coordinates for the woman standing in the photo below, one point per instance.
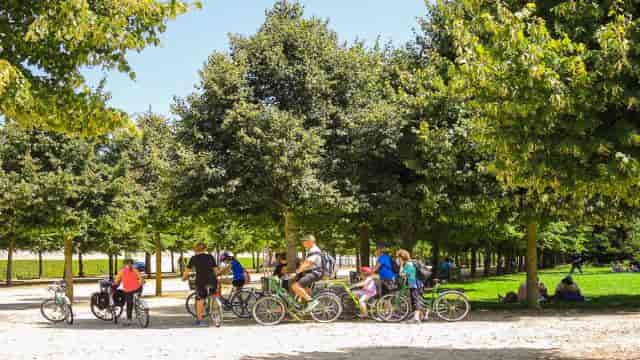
(408, 269)
(131, 280)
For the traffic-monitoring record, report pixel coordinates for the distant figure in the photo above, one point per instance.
(568, 290)
(616, 267)
(634, 266)
(444, 269)
(576, 263)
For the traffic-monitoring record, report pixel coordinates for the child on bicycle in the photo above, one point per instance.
(239, 278)
(368, 289)
(131, 280)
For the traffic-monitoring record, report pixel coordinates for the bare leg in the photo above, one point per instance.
(301, 292)
(199, 309)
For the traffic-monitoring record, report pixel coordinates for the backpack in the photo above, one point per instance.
(422, 271)
(395, 268)
(328, 264)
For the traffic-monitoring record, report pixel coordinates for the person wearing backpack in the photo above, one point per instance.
(387, 270)
(308, 272)
(408, 269)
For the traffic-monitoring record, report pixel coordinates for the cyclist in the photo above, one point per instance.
(308, 272)
(368, 289)
(131, 280)
(206, 280)
(385, 269)
(239, 278)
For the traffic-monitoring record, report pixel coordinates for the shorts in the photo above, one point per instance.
(206, 290)
(306, 280)
(363, 297)
(416, 302)
(238, 283)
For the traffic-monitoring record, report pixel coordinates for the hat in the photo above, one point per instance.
(366, 270)
(308, 237)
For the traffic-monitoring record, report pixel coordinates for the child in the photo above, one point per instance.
(368, 289)
(408, 269)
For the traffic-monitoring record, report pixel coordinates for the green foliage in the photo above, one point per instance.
(45, 44)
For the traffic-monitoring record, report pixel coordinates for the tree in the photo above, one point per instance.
(44, 45)
(262, 116)
(548, 105)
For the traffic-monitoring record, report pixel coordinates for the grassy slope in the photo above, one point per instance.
(598, 284)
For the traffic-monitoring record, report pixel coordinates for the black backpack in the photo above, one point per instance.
(395, 268)
(422, 271)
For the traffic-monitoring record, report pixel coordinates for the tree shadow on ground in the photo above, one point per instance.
(415, 353)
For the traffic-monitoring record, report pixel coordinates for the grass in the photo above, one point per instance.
(599, 285)
(28, 269)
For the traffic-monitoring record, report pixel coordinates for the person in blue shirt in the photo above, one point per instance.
(386, 270)
(445, 269)
(238, 279)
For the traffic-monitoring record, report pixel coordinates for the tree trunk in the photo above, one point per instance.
(115, 264)
(435, 253)
(173, 264)
(474, 262)
(147, 263)
(181, 264)
(487, 262)
(40, 265)
(110, 266)
(158, 264)
(10, 251)
(532, 266)
(68, 265)
(365, 245)
(253, 260)
(80, 265)
(291, 239)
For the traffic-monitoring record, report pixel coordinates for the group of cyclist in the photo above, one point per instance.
(308, 272)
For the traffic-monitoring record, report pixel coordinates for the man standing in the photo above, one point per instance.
(206, 279)
(576, 263)
(308, 272)
(386, 270)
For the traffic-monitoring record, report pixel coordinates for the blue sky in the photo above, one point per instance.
(172, 68)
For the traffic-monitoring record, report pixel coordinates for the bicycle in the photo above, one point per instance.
(271, 309)
(350, 302)
(141, 310)
(448, 305)
(58, 308)
(240, 302)
(103, 304)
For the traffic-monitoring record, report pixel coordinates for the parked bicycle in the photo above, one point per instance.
(58, 308)
(271, 309)
(140, 310)
(446, 304)
(104, 304)
(239, 302)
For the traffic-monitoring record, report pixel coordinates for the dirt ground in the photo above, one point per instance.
(561, 335)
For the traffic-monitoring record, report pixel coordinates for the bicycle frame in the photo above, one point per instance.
(293, 306)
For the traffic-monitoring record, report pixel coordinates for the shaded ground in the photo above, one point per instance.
(557, 334)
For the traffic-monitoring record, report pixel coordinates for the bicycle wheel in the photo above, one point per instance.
(451, 306)
(142, 313)
(190, 305)
(68, 314)
(393, 307)
(269, 310)
(53, 311)
(350, 309)
(328, 309)
(242, 302)
(216, 313)
(372, 309)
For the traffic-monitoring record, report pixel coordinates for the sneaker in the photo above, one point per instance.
(126, 323)
(203, 323)
(311, 305)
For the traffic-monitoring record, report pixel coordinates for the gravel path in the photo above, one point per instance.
(486, 335)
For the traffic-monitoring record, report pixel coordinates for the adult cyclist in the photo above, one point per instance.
(206, 280)
(308, 272)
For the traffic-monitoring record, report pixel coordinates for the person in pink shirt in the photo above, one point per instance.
(131, 281)
(368, 289)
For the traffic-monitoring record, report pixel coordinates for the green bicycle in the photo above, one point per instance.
(350, 302)
(446, 304)
(272, 308)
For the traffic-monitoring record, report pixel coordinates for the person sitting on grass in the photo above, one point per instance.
(368, 289)
(543, 293)
(568, 290)
(616, 267)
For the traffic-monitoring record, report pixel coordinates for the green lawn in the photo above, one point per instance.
(28, 269)
(599, 285)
